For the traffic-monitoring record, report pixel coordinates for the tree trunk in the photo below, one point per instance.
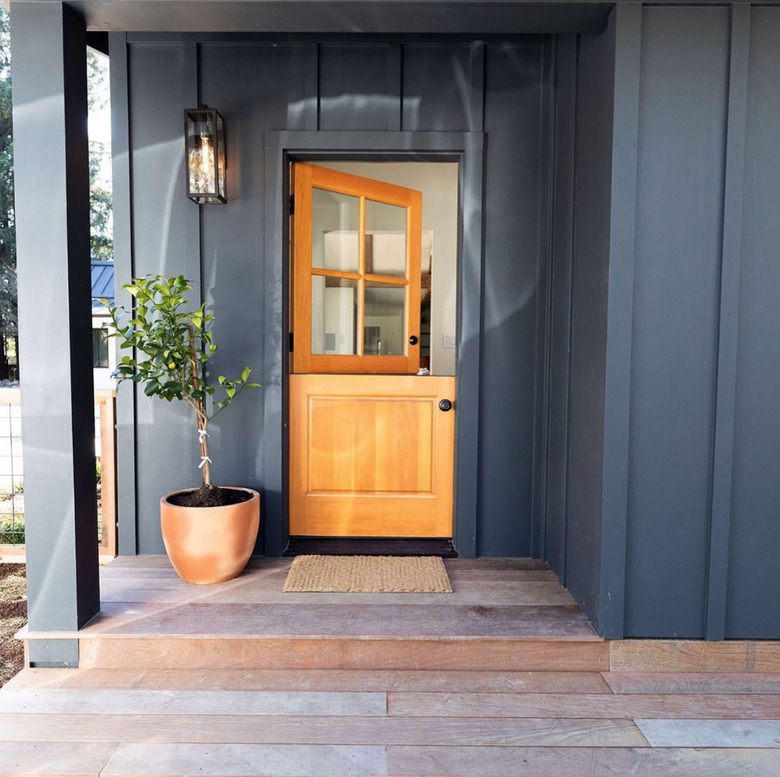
(203, 442)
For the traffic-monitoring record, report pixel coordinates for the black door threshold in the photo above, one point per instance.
(361, 546)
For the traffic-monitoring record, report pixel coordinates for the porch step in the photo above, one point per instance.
(504, 615)
(204, 652)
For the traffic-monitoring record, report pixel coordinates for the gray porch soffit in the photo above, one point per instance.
(347, 16)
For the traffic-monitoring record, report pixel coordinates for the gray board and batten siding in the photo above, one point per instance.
(628, 427)
(672, 506)
(264, 87)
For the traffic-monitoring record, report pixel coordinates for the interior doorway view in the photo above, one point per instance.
(372, 384)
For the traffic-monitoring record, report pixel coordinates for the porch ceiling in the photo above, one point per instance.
(317, 16)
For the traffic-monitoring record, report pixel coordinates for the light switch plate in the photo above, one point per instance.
(448, 341)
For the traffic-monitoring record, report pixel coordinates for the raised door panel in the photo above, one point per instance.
(371, 456)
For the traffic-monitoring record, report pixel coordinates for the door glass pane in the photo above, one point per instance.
(333, 315)
(335, 219)
(383, 332)
(385, 239)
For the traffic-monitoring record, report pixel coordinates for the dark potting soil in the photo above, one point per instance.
(210, 496)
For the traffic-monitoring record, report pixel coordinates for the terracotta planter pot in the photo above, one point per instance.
(210, 544)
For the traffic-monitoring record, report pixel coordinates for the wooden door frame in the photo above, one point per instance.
(283, 147)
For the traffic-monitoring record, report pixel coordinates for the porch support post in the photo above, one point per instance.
(52, 224)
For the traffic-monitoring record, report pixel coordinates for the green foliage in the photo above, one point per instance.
(12, 530)
(8, 311)
(171, 347)
(101, 236)
(176, 342)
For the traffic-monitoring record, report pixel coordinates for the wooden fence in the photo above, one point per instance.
(105, 458)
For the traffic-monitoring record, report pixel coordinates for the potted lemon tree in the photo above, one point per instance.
(209, 531)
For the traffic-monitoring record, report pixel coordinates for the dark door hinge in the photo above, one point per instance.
(292, 204)
(292, 337)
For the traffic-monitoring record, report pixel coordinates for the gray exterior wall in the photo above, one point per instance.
(703, 499)
(340, 83)
(754, 574)
(682, 129)
(589, 274)
(629, 425)
(662, 519)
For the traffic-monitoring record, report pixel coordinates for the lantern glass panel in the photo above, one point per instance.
(220, 158)
(205, 144)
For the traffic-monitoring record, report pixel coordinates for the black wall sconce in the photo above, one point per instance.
(204, 136)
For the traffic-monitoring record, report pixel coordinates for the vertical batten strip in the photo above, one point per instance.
(311, 88)
(194, 223)
(477, 104)
(394, 87)
(620, 314)
(275, 357)
(544, 308)
(726, 386)
(471, 269)
(562, 230)
(124, 266)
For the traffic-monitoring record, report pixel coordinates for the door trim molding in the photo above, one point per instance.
(466, 148)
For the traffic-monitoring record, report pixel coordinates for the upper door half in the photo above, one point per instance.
(356, 274)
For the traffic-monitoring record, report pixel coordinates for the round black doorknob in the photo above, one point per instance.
(413, 340)
(445, 405)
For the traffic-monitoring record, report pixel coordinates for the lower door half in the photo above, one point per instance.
(371, 455)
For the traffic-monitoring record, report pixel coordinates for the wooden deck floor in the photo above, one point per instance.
(503, 677)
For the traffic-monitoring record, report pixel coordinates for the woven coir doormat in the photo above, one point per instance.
(368, 574)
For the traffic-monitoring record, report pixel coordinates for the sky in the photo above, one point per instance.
(99, 122)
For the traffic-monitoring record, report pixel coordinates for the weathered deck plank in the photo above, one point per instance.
(494, 705)
(480, 592)
(711, 733)
(688, 682)
(249, 729)
(213, 703)
(556, 762)
(313, 680)
(232, 760)
(345, 619)
(503, 677)
(421, 654)
(660, 655)
(54, 758)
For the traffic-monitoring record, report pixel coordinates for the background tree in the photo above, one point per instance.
(101, 227)
(100, 199)
(8, 317)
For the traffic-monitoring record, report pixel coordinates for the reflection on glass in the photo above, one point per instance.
(385, 239)
(333, 315)
(335, 219)
(383, 332)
